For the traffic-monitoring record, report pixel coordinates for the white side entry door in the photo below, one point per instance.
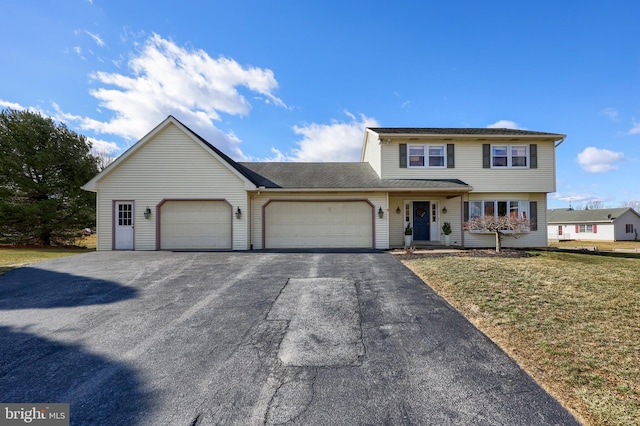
(123, 225)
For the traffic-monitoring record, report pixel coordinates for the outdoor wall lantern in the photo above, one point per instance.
(444, 210)
(380, 213)
(147, 213)
(238, 213)
(398, 210)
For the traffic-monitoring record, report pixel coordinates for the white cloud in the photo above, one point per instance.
(635, 130)
(99, 145)
(166, 79)
(103, 146)
(96, 38)
(594, 160)
(505, 124)
(338, 141)
(12, 105)
(576, 197)
(612, 113)
(78, 51)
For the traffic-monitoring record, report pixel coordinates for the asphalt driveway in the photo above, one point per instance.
(163, 338)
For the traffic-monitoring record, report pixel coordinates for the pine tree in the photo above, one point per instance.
(42, 167)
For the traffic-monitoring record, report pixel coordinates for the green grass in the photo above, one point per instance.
(571, 320)
(13, 257)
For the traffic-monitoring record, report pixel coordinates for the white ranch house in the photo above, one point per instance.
(173, 190)
(620, 224)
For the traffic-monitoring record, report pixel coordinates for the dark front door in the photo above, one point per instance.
(421, 221)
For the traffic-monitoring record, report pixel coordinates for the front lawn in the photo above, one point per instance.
(571, 320)
(13, 257)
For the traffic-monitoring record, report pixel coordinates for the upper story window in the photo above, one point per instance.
(426, 155)
(509, 156)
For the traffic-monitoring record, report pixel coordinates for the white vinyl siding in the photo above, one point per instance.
(468, 168)
(170, 165)
(371, 151)
(376, 199)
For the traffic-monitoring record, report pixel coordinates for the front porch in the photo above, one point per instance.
(425, 214)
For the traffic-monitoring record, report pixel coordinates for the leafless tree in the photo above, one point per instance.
(594, 204)
(104, 157)
(634, 204)
(499, 225)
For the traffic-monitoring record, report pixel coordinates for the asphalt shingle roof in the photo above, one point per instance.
(593, 215)
(335, 175)
(481, 131)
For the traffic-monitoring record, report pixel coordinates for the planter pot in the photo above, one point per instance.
(447, 240)
(407, 240)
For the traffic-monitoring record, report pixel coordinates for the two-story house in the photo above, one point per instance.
(173, 190)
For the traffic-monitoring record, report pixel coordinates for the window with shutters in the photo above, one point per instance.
(586, 228)
(512, 208)
(499, 208)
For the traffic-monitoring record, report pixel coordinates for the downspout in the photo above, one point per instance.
(462, 220)
(560, 142)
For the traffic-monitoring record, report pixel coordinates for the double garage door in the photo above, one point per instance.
(195, 225)
(318, 224)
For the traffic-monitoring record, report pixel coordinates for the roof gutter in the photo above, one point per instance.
(438, 190)
(560, 141)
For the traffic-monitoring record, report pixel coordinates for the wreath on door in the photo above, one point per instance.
(420, 212)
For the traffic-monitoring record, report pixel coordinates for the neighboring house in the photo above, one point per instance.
(173, 190)
(595, 225)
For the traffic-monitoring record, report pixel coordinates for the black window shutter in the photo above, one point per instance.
(403, 155)
(533, 212)
(466, 211)
(533, 156)
(451, 159)
(486, 156)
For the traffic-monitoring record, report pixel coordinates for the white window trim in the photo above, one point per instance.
(523, 207)
(510, 156)
(425, 148)
(586, 228)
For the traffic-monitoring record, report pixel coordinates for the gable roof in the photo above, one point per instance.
(222, 157)
(340, 176)
(459, 131)
(591, 216)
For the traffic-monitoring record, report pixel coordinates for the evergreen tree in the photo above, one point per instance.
(42, 167)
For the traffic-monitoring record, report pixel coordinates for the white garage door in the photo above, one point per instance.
(195, 225)
(321, 224)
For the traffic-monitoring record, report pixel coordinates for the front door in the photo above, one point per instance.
(421, 221)
(123, 217)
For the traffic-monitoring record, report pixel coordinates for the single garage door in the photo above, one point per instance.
(195, 225)
(318, 224)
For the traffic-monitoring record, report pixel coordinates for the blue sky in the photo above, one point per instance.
(299, 80)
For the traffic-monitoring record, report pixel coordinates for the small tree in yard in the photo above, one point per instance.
(42, 167)
(498, 225)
